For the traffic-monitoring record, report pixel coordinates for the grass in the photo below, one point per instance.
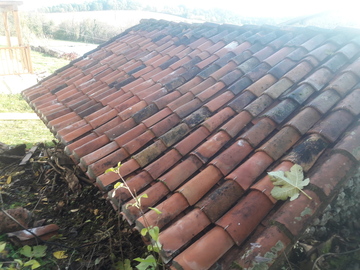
(42, 62)
(14, 103)
(13, 132)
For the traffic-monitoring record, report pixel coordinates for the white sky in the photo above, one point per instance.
(251, 8)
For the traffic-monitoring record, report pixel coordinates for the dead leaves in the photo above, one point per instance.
(71, 179)
(288, 184)
(60, 255)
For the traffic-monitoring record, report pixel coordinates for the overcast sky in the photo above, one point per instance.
(251, 8)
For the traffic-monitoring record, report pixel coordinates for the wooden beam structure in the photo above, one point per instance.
(20, 53)
(11, 6)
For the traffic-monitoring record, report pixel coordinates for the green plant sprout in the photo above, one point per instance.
(32, 253)
(153, 260)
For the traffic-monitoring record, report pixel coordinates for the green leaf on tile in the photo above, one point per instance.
(118, 185)
(289, 184)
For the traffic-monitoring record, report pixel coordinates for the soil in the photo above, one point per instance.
(93, 235)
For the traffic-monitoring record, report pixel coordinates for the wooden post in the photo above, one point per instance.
(18, 29)
(7, 30)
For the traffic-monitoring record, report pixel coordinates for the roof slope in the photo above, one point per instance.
(198, 114)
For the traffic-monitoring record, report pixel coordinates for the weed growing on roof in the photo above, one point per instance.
(289, 184)
(152, 261)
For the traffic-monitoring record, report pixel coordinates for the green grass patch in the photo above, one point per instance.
(13, 132)
(14, 103)
(42, 62)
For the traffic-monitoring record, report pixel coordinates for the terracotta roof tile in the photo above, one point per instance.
(208, 149)
(282, 67)
(197, 114)
(299, 71)
(281, 142)
(240, 85)
(333, 125)
(181, 233)
(330, 172)
(194, 189)
(248, 65)
(335, 62)
(278, 56)
(100, 166)
(165, 125)
(197, 117)
(350, 103)
(218, 119)
(170, 208)
(301, 93)
(264, 185)
(155, 193)
(259, 105)
(237, 221)
(308, 151)
(130, 134)
(314, 42)
(350, 143)
(319, 78)
(99, 153)
(281, 111)
(252, 168)
(219, 101)
(188, 108)
(91, 145)
(232, 156)
(257, 133)
(305, 119)
(236, 124)
(271, 241)
(191, 141)
(107, 179)
(325, 101)
(217, 238)
(349, 50)
(343, 83)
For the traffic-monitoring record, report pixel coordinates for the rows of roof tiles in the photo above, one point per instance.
(197, 114)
